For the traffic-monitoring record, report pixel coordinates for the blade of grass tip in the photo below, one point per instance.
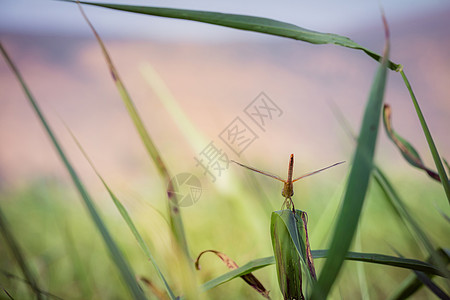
(114, 251)
(357, 183)
(249, 23)
(434, 152)
(127, 219)
(174, 211)
(16, 251)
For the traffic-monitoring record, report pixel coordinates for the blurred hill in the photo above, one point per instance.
(213, 83)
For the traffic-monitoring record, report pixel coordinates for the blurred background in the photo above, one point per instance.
(189, 82)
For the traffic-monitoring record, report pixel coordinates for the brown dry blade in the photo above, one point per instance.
(309, 257)
(406, 149)
(160, 294)
(231, 264)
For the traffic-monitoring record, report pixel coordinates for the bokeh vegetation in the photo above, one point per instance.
(67, 257)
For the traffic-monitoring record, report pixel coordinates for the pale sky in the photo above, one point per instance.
(339, 17)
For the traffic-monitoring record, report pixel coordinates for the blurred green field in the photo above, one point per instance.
(68, 247)
(70, 261)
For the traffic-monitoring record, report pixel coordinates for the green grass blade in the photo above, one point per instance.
(249, 278)
(129, 221)
(357, 183)
(241, 271)
(393, 261)
(114, 251)
(388, 260)
(174, 211)
(414, 228)
(434, 152)
(243, 22)
(398, 205)
(16, 251)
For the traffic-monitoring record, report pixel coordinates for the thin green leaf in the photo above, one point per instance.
(250, 23)
(13, 245)
(406, 149)
(239, 272)
(114, 251)
(128, 220)
(431, 145)
(357, 183)
(174, 211)
(393, 261)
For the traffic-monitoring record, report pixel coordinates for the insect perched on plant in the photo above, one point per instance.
(288, 189)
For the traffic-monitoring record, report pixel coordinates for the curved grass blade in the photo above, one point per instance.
(294, 263)
(406, 149)
(239, 272)
(249, 278)
(357, 183)
(114, 251)
(250, 23)
(174, 211)
(129, 221)
(431, 145)
(382, 259)
(16, 251)
(408, 220)
(398, 205)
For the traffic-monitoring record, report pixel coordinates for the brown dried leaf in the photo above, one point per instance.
(160, 294)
